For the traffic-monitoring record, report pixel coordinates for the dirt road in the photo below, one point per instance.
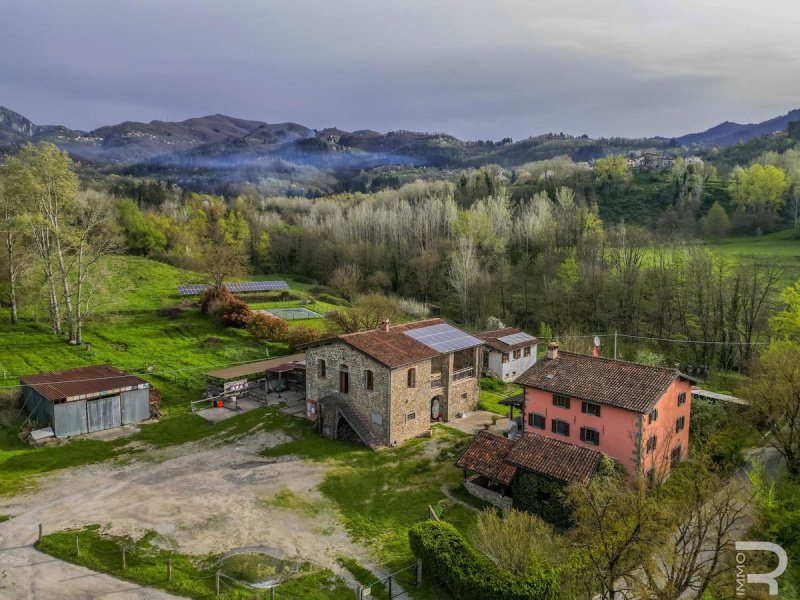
(200, 497)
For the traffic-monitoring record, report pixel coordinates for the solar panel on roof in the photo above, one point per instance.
(443, 338)
(516, 338)
(244, 286)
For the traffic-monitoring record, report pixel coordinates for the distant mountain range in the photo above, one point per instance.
(728, 133)
(229, 149)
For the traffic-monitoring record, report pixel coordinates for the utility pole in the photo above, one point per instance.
(615, 344)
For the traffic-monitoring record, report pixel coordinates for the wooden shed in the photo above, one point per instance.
(86, 399)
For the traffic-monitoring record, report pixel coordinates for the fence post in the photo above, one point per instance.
(390, 586)
(77, 546)
(169, 569)
(40, 532)
(419, 571)
(124, 562)
(272, 593)
(216, 583)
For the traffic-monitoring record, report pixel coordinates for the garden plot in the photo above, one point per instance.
(290, 314)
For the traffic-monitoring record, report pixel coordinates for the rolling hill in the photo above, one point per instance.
(216, 151)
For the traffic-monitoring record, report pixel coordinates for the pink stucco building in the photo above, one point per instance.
(636, 414)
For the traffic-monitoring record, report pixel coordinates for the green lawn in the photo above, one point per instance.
(492, 391)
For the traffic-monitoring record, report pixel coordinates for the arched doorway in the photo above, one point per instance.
(437, 408)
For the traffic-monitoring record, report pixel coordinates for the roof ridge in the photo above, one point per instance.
(391, 327)
(498, 330)
(555, 441)
(615, 361)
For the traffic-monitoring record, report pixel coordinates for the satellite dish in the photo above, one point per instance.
(597, 341)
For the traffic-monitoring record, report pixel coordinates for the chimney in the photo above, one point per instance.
(552, 350)
(384, 326)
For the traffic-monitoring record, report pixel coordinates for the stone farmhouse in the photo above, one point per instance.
(508, 352)
(386, 385)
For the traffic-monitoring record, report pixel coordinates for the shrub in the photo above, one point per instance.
(267, 328)
(235, 313)
(458, 568)
(213, 296)
(301, 335)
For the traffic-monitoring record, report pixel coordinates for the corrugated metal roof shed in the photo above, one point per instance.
(82, 382)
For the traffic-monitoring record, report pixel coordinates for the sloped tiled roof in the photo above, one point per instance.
(554, 458)
(626, 385)
(491, 338)
(486, 455)
(83, 381)
(391, 348)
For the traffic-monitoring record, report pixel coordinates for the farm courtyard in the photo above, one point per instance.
(265, 483)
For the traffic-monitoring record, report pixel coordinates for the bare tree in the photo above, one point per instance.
(617, 524)
(93, 237)
(462, 271)
(347, 280)
(516, 541)
(220, 258)
(15, 258)
(707, 511)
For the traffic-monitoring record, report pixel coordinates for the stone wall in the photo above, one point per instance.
(462, 395)
(411, 402)
(488, 495)
(373, 403)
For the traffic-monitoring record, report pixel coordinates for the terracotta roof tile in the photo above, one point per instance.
(392, 348)
(618, 383)
(486, 455)
(83, 381)
(554, 458)
(491, 339)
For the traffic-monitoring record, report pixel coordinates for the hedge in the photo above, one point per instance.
(448, 560)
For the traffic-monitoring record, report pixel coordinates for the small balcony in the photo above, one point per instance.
(437, 381)
(465, 373)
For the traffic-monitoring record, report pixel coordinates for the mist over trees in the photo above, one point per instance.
(529, 246)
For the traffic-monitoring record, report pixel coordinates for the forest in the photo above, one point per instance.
(547, 246)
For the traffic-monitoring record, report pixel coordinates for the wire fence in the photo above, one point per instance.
(152, 566)
(394, 585)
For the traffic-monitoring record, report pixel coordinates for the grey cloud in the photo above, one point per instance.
(474, 69)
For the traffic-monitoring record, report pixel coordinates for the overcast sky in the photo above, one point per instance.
(476, 69)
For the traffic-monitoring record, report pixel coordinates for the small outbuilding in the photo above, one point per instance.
(508, 352)
(86, 399)
(259, 378)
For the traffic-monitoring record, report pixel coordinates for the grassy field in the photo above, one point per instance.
(129, 332)
(780, 248)
(192, 576)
